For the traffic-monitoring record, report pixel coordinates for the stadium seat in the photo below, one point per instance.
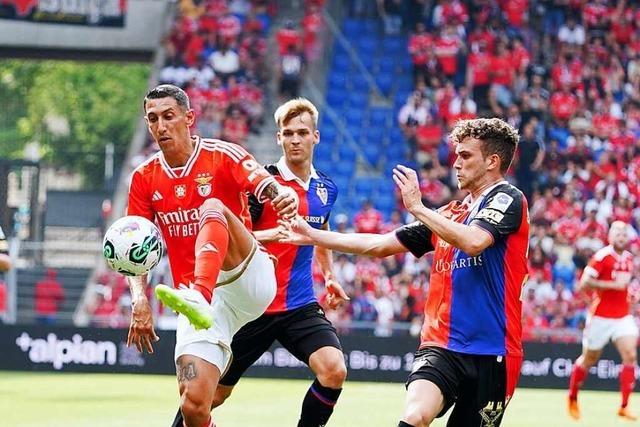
(379, 116)
(360, 84)
(352, 27)
(354, 116)
(335, 97)
(384, 82)
(338, 80)
(346, 153)
(366, 46)
(374, 134)
(344, 169)
(341, 63)
(354, 130)
(393, 44)
(323, 152)
(372, 153)
(386, 65)
(358, 100)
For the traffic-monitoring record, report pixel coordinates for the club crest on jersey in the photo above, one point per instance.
(323, 194)
(180, 191)
(204, 184)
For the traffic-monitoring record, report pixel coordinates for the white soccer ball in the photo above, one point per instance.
(132, 246)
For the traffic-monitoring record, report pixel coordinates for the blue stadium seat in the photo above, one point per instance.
(379, 116)
(364, 187)
(346, 153)
(374, 134)
(338, 80)
(328, 134)
(393, 44)
(360, 84)
(384, 82)
(323, 152)
(386, 65)
(370, 26)
(366, 46)
(343, 169)
(355, 116)
(386, 203)
(372, 153)
(343, 184)
(335, 97)
(404, 85)
(353, 27)
(358, 100)
(396, 136)
(401, 97)
(355, 130)
(323, 165)
(341, 63)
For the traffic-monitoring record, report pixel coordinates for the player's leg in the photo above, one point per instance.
(595, 336)
(433, 386)
(197, 381)
(311, 337)
(484, 398)
(625, 339)
(248, 344)
(222, 243)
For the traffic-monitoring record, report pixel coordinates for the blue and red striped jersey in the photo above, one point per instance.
(293, 270)
(473, 305)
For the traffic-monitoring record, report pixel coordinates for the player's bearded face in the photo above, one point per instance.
(298, 137)
(168, 123)
(619, 237)
(470, 164)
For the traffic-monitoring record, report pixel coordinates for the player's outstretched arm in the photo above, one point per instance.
(471, 239)
(141, 331)
(375, 245)
(588, 280)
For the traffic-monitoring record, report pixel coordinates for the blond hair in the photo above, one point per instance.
(294, 108)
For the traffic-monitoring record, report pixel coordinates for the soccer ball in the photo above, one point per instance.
(132, 246)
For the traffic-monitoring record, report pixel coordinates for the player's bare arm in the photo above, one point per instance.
(270, 235)
(141, 331)
(5, 263)
(375, 245)
(336, 296)
(471, 239)
(283, 199)
(589, 281)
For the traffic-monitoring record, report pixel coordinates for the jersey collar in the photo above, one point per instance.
(473, 205)
(288, 175)
(182, 171)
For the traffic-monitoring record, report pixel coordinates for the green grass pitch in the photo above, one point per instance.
(98, 400)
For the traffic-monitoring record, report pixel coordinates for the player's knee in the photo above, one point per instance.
(193, 405)
(416, 415)
(629, 357)
(333, 373)
(212, 205)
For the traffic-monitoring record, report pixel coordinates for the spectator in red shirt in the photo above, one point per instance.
(48, 295)
(368, 219)
(235, 127)
(421, 51)
(288, 36)
(563, 105)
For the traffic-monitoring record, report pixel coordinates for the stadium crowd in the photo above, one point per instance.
(564, 72)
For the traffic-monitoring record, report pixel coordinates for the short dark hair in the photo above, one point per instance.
(168, 91)
(497, 136)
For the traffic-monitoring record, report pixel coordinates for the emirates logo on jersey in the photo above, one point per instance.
(203, 184)
(180, 191)
(323, 194)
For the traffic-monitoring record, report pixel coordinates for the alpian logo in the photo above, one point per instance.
(60, 352)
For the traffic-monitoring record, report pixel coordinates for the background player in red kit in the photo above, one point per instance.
(195, 189)
(294, 318)
(609, 274)
(470, 351)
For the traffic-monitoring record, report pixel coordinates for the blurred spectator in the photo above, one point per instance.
(391, 13)
(531, 155)
(291, 70)
(368, 219)
(48, 295)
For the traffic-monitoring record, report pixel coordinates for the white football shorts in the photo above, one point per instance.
(600, 330)
(242, 295)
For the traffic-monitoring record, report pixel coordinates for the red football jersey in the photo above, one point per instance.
(171, 196)
(607, 264)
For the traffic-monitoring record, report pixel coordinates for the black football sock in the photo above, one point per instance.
(178, 420)
(317, 405)
(403, 424)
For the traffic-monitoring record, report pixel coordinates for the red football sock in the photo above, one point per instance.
(211, 248)
(627, 382)
(578, 374)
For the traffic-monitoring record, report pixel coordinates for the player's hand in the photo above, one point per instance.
(407, 181)
(336, 296)
(286, 202)
(141, 332)
(296, 231)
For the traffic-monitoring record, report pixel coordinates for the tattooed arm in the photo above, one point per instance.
(284, 199)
